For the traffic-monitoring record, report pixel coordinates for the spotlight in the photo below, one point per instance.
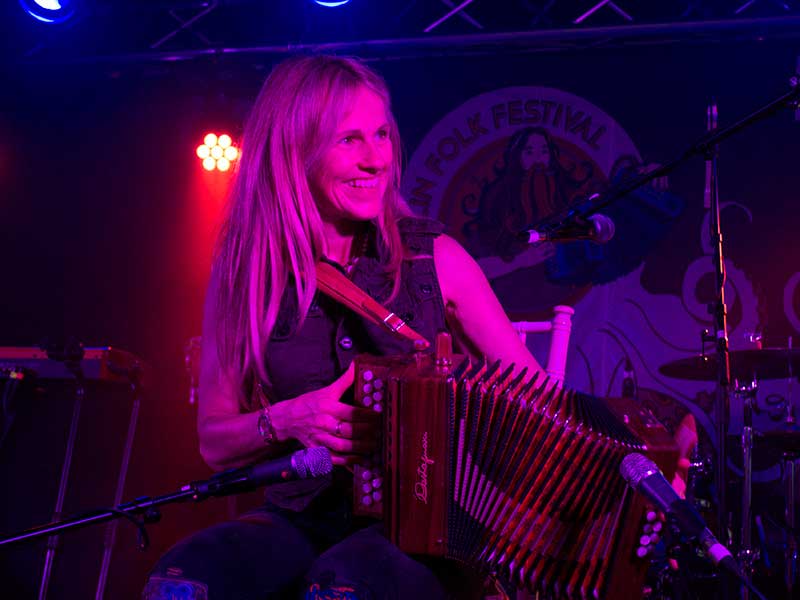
(231, 153)
(331, 3)
(49, 11)
(217, 152)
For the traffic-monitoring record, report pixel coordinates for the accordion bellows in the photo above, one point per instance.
(486, 467)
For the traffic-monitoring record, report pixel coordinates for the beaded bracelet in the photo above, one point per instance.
(264, 425)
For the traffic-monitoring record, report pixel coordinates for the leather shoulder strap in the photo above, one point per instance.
(333, 283)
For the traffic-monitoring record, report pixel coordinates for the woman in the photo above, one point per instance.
(319, 179)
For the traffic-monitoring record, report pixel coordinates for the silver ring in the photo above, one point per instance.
(338, 430)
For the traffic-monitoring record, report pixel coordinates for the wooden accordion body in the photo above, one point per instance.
(484, 467)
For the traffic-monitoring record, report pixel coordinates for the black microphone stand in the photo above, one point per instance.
(706, 147)
(196, 491)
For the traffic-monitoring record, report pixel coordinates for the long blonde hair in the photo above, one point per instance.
(272, 232)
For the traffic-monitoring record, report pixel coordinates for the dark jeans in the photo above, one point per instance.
(273, 553)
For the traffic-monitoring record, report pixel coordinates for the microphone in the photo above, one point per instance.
(596, 228)
(303, 464)
(643, 475)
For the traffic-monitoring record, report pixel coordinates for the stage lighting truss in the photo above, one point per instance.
(49, 11)
(534, 8)
(171, 30)
(217, 152)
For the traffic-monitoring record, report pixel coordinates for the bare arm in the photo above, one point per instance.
(470, 299)
(230, 438)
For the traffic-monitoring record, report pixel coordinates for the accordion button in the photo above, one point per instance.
(377, 482)
(367, 376)
(376, 496)
(366, 475)
(377, 396)
(377, 407)
(367, 388)
(366, 500)
(657, 526)
(644, 540)
(346, 343)
(366, 401)
(366, 488)
(641, 551)
(377, 384)
(651, 515)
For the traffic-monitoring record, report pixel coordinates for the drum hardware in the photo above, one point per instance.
(772, 363)
(758, 363)
(787, 440)
(764, 363)
(701, 473)
(754, 338)
(789, 491)
(747, 555)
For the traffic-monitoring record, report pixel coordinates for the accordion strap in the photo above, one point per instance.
(336, 285)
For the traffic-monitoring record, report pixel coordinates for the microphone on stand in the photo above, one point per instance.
(595, 228)
(303, 464)
(643, 475)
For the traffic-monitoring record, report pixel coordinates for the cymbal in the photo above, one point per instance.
(767, 363)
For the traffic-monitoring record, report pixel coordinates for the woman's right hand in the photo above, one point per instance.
(320, 418)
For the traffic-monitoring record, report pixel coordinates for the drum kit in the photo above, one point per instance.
(748, 368)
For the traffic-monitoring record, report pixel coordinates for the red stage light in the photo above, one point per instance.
(217, 152)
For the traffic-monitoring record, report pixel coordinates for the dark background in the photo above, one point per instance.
(108, 221)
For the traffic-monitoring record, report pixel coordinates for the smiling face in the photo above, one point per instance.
(353, 174)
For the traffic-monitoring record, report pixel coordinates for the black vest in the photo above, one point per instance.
(304, 359)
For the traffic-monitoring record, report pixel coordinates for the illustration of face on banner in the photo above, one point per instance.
(507, 160)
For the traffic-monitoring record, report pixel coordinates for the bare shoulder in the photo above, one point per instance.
(456, 269)
(475, 307)
(446, 248)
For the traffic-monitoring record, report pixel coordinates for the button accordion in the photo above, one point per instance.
(507, 474)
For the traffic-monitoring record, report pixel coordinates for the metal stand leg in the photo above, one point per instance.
(789, 482)
(747, 555)
(111, 529)
(52, 541)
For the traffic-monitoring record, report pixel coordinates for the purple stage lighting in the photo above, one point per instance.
(331, 3)
(49, 11)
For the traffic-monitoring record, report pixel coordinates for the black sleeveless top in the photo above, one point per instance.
(305, 359)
